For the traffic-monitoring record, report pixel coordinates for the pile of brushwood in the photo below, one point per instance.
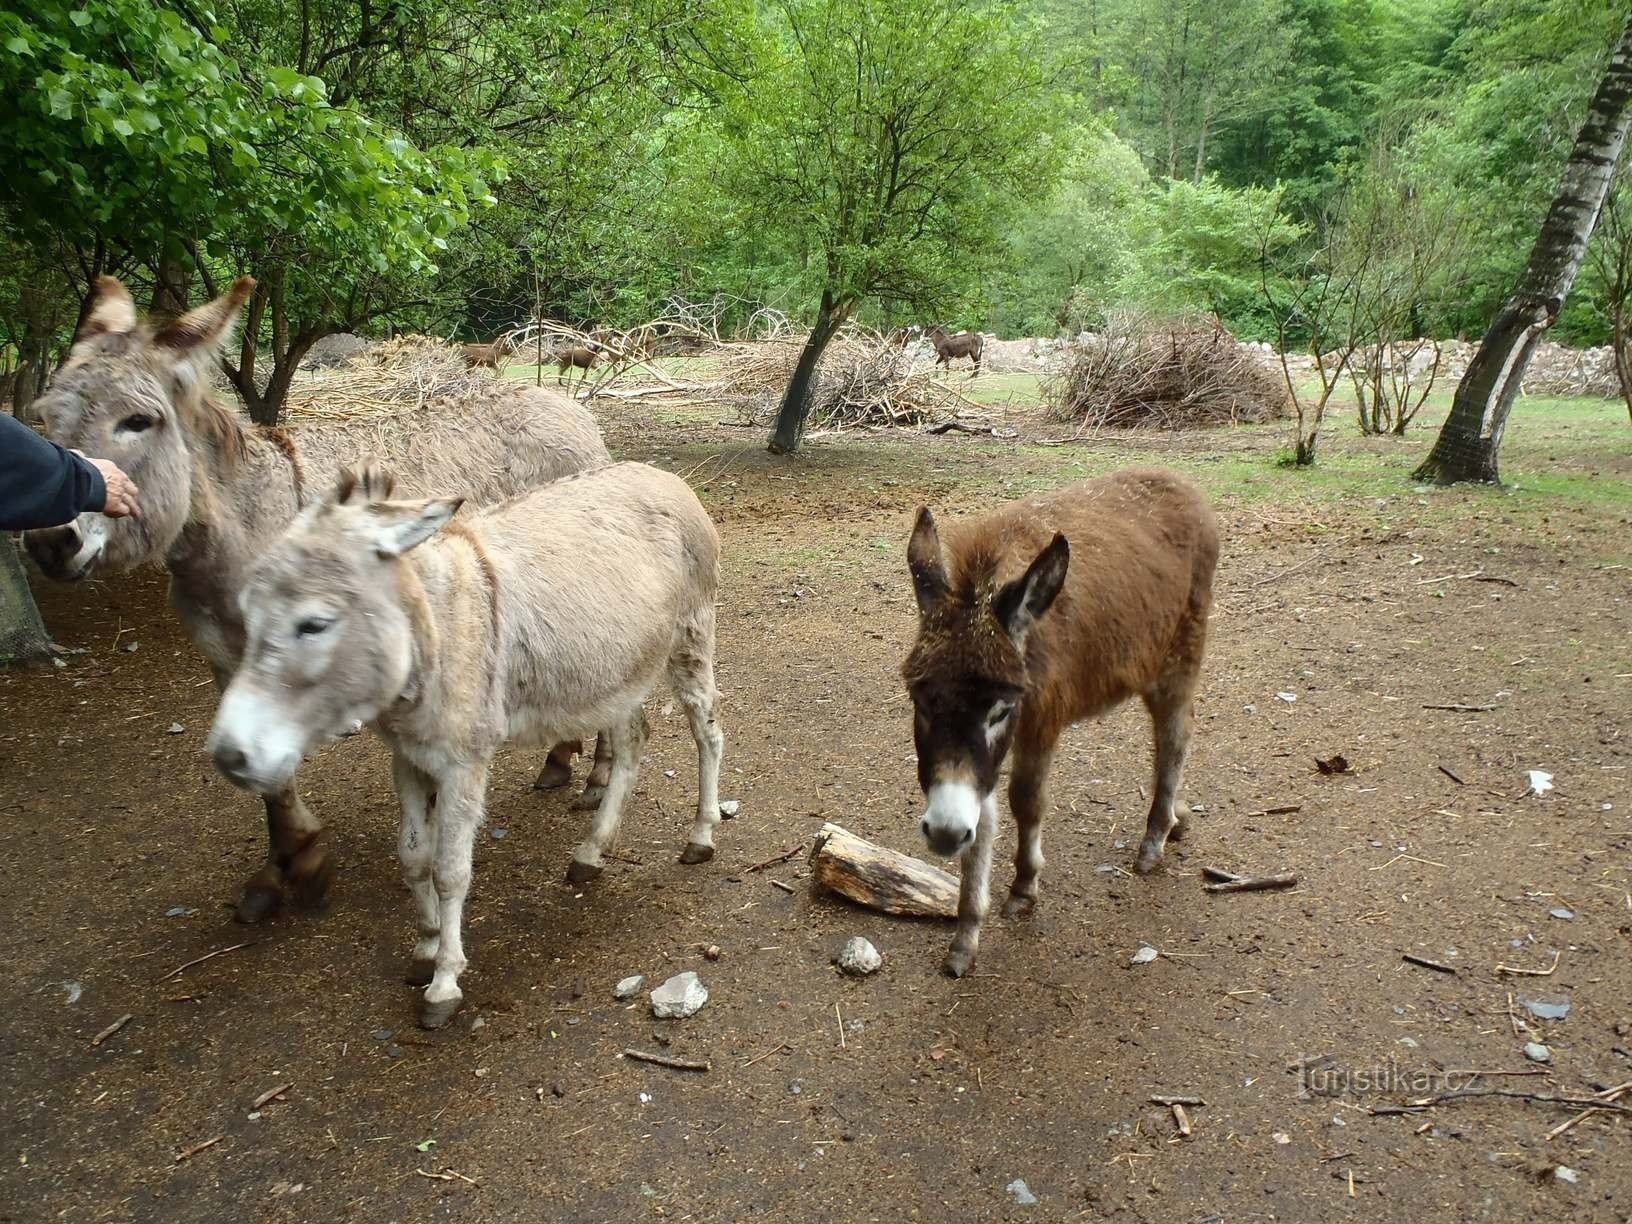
(1177, 373)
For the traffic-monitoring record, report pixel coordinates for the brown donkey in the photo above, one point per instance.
(1048, 611)
(964, 344)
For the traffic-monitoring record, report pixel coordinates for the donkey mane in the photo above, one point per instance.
(208, 418)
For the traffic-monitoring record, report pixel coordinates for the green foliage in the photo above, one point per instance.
(132, 127)
(890, 140)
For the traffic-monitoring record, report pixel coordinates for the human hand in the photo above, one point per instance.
(122, 491)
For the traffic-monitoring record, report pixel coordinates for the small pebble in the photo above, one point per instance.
(1537, 1053)
(1145, 955)
(383, 1034)
(629, 987)
(499, 834)
(728, 809)
(176, 728)
(131, 647)
(1559, 911)
(858, 957)
(681, 996)
(1566, 1174)
(1021, 1193)
(712, 952)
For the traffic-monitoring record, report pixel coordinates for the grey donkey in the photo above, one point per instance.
(491, 631)
(216, 492)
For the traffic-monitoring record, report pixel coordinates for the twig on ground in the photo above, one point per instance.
(1436, 966)
(271, 1094)
(1547, 972)
(1255, 884)
(187, 1153)
(111, 1029)
(665, 1060)
(199, 960)
(1444, 770)
(1461, 709)
(776, 859)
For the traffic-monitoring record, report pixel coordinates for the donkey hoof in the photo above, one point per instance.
(1177, 832)
(420, 971)
(553, 776)
(258, 903)
(693, 853)
(310, 878)
(589, 800)
(435, 1015)
(1149, 859)
(583, 873)
(957, 963)
(1018, 906)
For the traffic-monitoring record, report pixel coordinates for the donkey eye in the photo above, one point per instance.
(136, 423)
(313, 625)
(998, 714)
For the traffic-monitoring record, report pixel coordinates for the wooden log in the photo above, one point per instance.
(879, 878)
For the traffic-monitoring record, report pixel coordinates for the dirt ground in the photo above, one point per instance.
(1350, 603)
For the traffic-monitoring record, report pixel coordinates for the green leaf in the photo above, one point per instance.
(425, 1145)
(79, 17)
(18, 45)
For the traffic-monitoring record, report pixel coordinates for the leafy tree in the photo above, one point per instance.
(141, 141)
(892, 138)
(1471, 438)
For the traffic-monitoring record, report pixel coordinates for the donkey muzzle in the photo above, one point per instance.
(70, 552)
(951, 817)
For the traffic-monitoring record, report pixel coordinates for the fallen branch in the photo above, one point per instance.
(1547, 972)
(1177, 1100)
(664, 1060)
(880, 878)
(1569, 1102)
(1254, 884)
(199, 960)
(1462, 709)
(780, 858)
(1436, 966)
(187, 1153)
(271, 1094)
(111, 1029)
(1442, 769)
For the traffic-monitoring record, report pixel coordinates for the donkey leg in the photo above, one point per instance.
(557, 771)
(461, 798)
(416, 849)
(625, 747)
(1028, 799)
(1170, 723)
(973, 883)
(296, 857)
(599, 774)
(691, 672)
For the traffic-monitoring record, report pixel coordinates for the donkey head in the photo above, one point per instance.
(133, 394)
(328, 638)
(966, 673)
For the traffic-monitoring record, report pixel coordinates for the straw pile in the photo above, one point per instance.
(863, 382)
(1183, 373)
(389, 378)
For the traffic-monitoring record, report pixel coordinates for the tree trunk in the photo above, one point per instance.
(34, 351)
(22, 634)
(795, 410)
(172, 281)
(1471, 439)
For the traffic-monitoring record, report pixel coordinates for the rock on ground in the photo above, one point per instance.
(629, 987)
(681, 996)
(858, 957)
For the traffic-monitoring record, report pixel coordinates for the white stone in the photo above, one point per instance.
(681, 996)
(629, 987)
(858, 957)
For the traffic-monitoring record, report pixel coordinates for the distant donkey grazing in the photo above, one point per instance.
(492, 631)
(578, 357)
(216, 492)
(964, 344)
(1022, 633)
(494, 355)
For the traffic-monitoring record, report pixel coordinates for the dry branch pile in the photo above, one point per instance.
(387, 378)
(1182, 373)
(863, 382)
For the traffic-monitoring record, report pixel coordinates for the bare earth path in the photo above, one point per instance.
(120, 849)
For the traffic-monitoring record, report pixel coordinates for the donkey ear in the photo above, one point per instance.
(1019, 604)
(368, 481)
(924, 559)
(110, 312)
(202, 332)
(400, 526)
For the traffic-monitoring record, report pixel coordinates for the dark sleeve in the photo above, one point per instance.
(42, 484)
